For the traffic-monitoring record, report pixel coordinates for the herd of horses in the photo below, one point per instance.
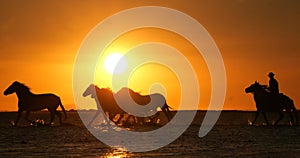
(105, 99)
(107, 104)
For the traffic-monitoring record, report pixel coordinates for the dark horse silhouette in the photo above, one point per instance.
(34, 102)
(265, 102)
(105, 98)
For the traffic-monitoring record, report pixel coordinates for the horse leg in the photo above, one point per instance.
(52, 113)
(154, 118)
(111, 116)
(18, 117)
(292, 110)
(295, 113)
(296, 116)
(140, 120)
(126, 120)
(59, 116)
(120, 118)
(27, 117)
(135, 119)
(255, 118)
(265, 117)
(280, 117)
(92, 120)
(292, 121)
(168, 110)
(165, 112)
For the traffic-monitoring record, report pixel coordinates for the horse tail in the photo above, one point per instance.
(167, 110)
(168, 107)
(63, 109)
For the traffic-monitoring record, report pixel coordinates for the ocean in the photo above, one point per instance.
(230, 137)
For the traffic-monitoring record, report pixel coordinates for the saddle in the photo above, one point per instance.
(274, 96)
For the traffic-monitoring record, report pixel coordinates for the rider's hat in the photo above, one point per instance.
(271, 74)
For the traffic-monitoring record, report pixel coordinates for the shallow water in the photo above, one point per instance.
(231, 137)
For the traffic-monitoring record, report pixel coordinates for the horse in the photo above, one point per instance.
(144, 100)
(27, 101)
(107, 101)
(105, 98)
(266, 102)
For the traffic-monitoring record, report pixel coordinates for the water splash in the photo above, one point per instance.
(249, 123)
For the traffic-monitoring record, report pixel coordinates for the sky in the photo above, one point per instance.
(39, 42)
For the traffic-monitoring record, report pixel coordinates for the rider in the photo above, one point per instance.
(273, 88)
(273, 84)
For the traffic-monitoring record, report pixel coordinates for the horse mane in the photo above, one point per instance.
(107, 90)
(121, 90)
(262, 87)
(121, 93)
(130, 90)
(124, 90)
(21, 85)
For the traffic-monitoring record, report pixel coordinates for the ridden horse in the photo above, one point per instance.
(105, 98)
(34, 102)
(266, 102)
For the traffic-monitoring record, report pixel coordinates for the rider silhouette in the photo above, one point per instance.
(273, 85)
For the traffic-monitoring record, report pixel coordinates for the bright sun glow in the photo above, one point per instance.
(115, 63)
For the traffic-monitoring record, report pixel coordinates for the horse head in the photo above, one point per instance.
(252, 88)
(90, 91)
(256, 87)
(95, 91)
(14, 87)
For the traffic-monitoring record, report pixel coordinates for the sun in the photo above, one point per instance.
(115, 63)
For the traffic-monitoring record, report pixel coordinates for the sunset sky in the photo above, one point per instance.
(39, 41)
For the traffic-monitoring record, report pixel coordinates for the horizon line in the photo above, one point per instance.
(74, 110)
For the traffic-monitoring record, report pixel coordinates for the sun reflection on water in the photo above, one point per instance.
(118, 153)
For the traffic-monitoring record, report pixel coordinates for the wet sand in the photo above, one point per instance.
(231, 137)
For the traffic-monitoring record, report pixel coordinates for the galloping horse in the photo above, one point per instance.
(265, 102)
(34, 102)
(105, 98)
(144, 100)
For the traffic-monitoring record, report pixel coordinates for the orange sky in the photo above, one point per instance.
(39, 42)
